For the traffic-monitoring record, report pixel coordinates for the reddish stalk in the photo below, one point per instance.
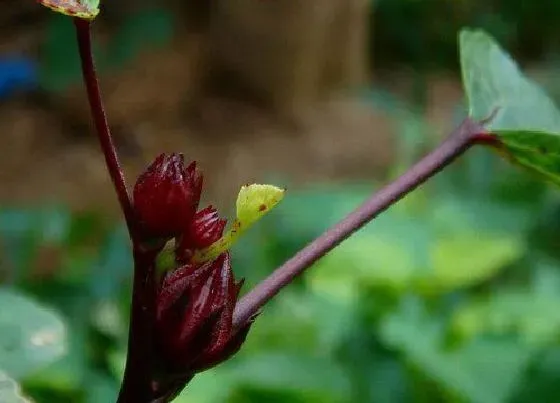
(83, 33)
(466, 135)
(136, 386)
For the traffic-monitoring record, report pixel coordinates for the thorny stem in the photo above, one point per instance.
(83, 33)
(466, 135)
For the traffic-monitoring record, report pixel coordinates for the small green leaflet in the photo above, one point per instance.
(85, 9)
(527, 121)
(253, 202)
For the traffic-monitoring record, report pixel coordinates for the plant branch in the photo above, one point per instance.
(136, 386)
(466, 135)
(83, 33)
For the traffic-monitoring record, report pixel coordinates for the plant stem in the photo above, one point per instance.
(455, 145)
(136, 386)
(83, 33)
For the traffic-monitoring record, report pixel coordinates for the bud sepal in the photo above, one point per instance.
(194, 315)
(166, 196)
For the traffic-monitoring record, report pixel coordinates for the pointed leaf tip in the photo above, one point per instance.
(527, 122)
(254, 201)
(85, 9)
(493, 80)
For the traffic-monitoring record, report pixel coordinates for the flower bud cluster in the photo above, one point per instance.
(194, 301)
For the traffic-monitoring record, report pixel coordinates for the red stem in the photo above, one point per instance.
(455, 145)
(83, 33)
(136, 386)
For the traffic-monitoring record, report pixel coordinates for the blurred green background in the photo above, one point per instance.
(450, 296)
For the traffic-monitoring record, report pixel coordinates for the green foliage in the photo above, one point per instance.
(450, 296)
(420, 34)
(10, 390)
(31, 336)
(139, 32)
(527, 121)
(481, 371)
(81, 268)
(530, 310)
(421, 248)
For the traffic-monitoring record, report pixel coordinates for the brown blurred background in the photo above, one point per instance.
(255, 90)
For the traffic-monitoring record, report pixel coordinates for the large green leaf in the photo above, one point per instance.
(31, 336)
(493, 80)
(10, 390)
(527, 121)
(481, 371)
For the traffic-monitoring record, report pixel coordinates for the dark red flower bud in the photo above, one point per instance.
(206, 228)
(194, 316)
(166, 196)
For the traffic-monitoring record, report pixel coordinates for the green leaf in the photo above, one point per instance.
(527, 121)
(482, 371)
(85, 9)
(31, 336)
(493, 80)
(253, 202)
(536, 151)
(10, 390)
